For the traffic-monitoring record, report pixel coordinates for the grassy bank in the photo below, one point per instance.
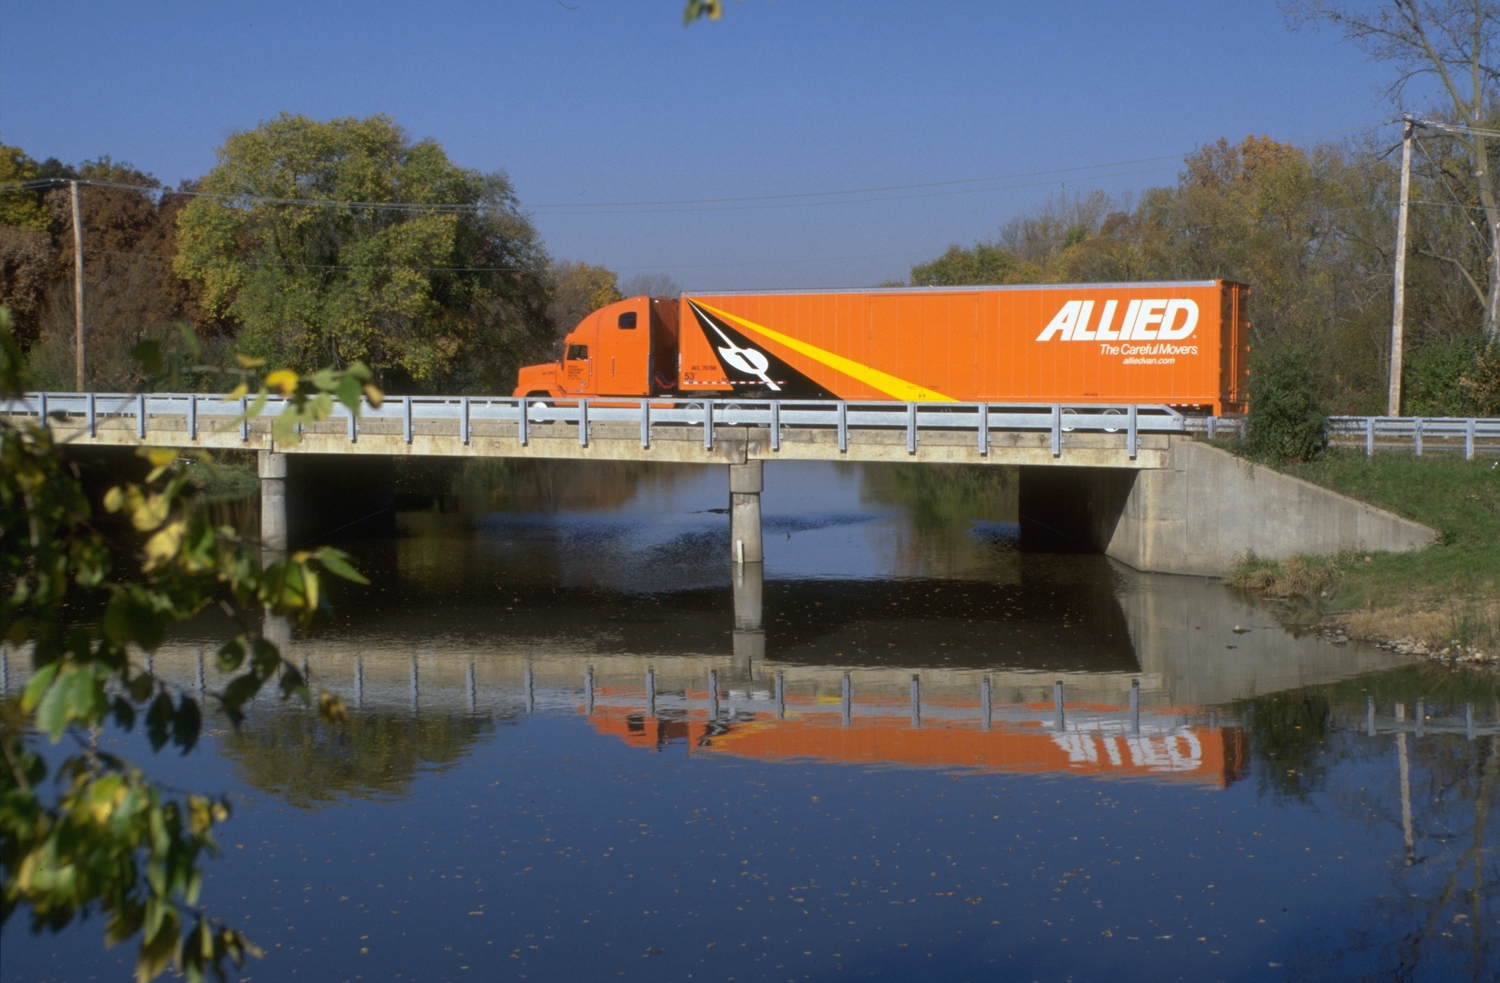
(1449, 592)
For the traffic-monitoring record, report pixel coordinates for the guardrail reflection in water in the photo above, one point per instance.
(220, 414)
(870, 723)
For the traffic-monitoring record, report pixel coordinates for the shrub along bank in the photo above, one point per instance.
(1444, 597)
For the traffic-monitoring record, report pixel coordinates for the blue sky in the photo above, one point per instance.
(591, 102)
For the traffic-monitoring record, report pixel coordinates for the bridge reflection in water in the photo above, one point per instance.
(1080, 667)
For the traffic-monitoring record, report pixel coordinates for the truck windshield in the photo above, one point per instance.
(578, 353)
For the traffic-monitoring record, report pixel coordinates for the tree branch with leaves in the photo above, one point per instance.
(101, 837)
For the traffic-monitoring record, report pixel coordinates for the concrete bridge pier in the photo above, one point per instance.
(749, 636)
(745, 484)
(273, 512)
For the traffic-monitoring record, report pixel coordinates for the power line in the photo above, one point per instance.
(814, 204)
(680, 204)
(332, 266)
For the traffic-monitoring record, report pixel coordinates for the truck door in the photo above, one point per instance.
(624, 360)
(577, 367)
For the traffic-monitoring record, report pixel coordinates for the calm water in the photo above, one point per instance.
(582, 748)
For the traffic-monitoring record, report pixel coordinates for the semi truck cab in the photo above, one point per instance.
(623, 349)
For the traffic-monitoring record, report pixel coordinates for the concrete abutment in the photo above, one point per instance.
(1202, 514)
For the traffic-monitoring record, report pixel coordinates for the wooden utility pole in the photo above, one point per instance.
(1398, 303)
(77, 289)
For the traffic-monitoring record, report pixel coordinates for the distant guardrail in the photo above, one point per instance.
(1375, 430)
(982, 419)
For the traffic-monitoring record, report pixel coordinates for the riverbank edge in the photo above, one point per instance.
(1397, 601)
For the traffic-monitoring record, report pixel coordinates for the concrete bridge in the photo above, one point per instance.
(1129, 481)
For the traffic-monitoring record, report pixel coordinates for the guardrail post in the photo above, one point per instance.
(192, 416)
(1209, 424)
(911, 428)
(645, 423)
(984, 429)
(1135, 707)
(708, 424)
(1369, 436)
(1132, 432)
(780, 695)
(843, 417)
(93, 417)
(523, 436)
(406, 418)
(41, 415)
(463, 421)
(846, 700)
(1416, 435)
(1056, 430)
(1469, 439)
(986, 702)
(140, 416)
(353, 427)
(775, 425)
(916, 700)
(583, 423)
(244, 417)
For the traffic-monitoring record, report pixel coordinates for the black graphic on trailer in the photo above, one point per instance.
(749, 368)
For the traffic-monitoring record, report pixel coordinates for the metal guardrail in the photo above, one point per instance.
(1414, 429)
(1421, 723)
(982, 419)
(1371, 429)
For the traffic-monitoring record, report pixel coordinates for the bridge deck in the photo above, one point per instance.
(698, 432)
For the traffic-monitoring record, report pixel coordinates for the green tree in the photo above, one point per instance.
(20, 207)
(100, 838)
(984, 263)
(330, 243)
(579, 289)
(1287, 419)
(26, 255)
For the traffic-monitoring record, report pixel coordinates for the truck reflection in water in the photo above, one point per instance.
(1166, 744)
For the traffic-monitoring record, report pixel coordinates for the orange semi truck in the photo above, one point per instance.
(1182, 344)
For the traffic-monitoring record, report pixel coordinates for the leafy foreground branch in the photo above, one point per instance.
(100, 837)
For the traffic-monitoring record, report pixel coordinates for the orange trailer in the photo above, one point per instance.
(1182, 344)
